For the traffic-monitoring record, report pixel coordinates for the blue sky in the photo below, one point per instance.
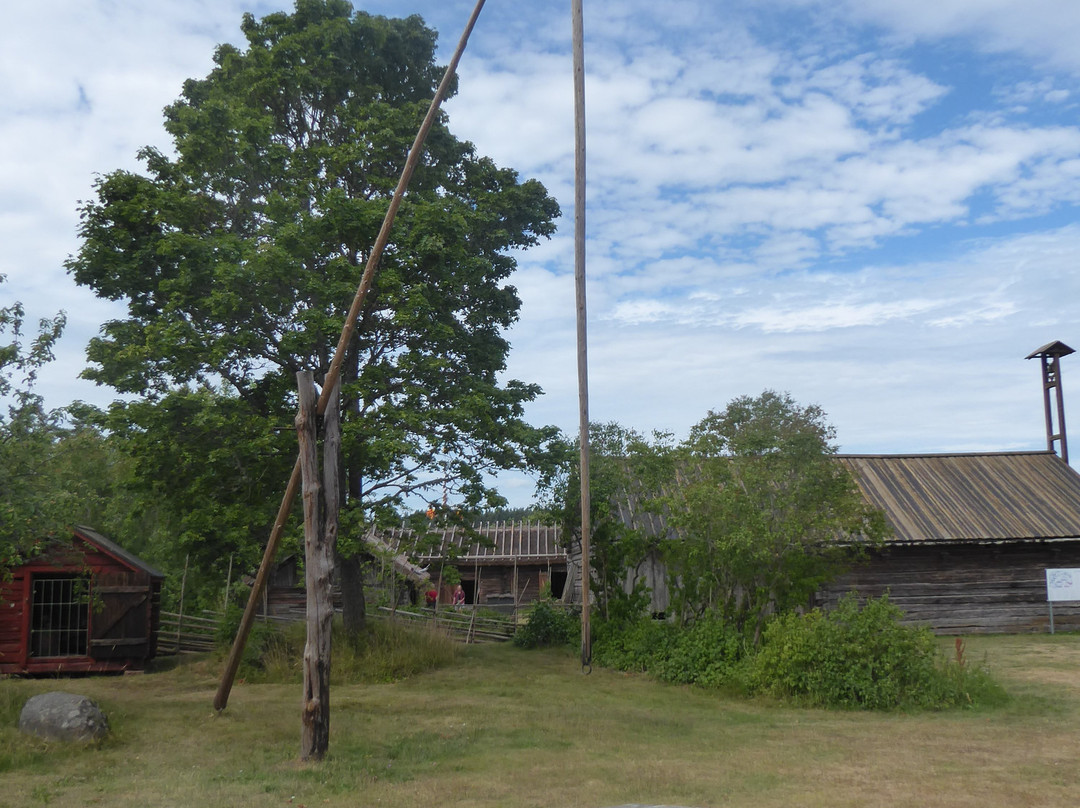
(870, 205)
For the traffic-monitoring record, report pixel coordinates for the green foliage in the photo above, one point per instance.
(750, 514)
(265, 641)
(32, 507)
(706, 653)
(862, 658)
(547, 625)
(763, 514)
(623, 464)
(632, 646)
(238, 250)
(450, 575)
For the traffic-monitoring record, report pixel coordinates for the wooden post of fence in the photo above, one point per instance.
(180, 613)
(320, 534)
(228, 585)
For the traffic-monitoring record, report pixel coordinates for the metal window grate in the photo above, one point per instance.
(59, 617)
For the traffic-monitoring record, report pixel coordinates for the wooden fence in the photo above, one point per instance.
(463, 623)
(187, 634)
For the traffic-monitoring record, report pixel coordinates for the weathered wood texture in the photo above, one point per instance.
(966, 589)
(1002, 496)
(320, 534)
(111, 625)
(506, 562)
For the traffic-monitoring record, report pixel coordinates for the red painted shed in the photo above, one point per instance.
(82, 606)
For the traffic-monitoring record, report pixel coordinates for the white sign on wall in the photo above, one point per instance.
(1062, 585)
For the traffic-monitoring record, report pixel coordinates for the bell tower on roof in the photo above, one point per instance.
(1051, 354)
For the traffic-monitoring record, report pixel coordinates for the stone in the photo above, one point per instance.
(59, 716)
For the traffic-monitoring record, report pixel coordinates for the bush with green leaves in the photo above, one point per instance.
(631, 646)
(547, 624)
(705, 653)
(862, 657)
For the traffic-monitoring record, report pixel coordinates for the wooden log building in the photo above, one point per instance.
(501, 564)
(83, 605)
(973, 536)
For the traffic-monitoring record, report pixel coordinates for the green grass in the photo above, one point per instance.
(386, 652)
(500, 726)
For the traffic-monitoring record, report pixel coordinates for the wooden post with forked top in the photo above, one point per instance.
(321, 504)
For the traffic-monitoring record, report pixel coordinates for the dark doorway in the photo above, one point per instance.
(470, 591)
(558, 583)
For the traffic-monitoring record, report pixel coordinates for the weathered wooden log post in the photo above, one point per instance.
(321, 503)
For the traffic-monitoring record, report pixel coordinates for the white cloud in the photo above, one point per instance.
(1044, 30)
(815, 209)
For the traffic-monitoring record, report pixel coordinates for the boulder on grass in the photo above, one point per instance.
(61, 716)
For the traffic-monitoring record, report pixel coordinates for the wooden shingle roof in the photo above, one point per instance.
(488, 542)
(992, 497)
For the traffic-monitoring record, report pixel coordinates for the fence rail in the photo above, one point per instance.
(461, 624)
(186, 634)
(190, 634)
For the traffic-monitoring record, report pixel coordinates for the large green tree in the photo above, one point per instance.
(237, 256)
(763, 514)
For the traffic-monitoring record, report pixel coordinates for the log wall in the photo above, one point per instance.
(974, 589)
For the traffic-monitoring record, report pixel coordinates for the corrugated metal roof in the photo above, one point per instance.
(1001, 496)
(488, 542)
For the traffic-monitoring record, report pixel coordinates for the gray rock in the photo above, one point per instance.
(61, 716)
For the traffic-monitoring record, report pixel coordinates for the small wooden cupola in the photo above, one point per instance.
(1051, 354)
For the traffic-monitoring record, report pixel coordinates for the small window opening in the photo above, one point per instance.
(59, 617)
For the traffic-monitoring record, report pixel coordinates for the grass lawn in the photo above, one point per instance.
(506, 727)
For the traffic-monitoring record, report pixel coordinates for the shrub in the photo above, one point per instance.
(548, 625)
(632, 647)
(705, 653)
(264, 642)
(862, 658)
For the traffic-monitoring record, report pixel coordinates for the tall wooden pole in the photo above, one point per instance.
(321, 504)
(232, 664)
(582, 342)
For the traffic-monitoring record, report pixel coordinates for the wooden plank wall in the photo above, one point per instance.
(12, 643)
(497, 581)
(982, 589)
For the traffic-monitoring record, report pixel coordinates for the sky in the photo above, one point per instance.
(870, 205)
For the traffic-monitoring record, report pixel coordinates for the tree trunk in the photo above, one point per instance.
(353, 604)
(351, 570)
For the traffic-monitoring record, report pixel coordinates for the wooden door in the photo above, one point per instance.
(120, 619)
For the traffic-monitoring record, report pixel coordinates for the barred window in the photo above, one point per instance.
(59, 616)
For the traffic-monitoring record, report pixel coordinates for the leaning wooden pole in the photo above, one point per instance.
(582, 342)
(232, 664)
